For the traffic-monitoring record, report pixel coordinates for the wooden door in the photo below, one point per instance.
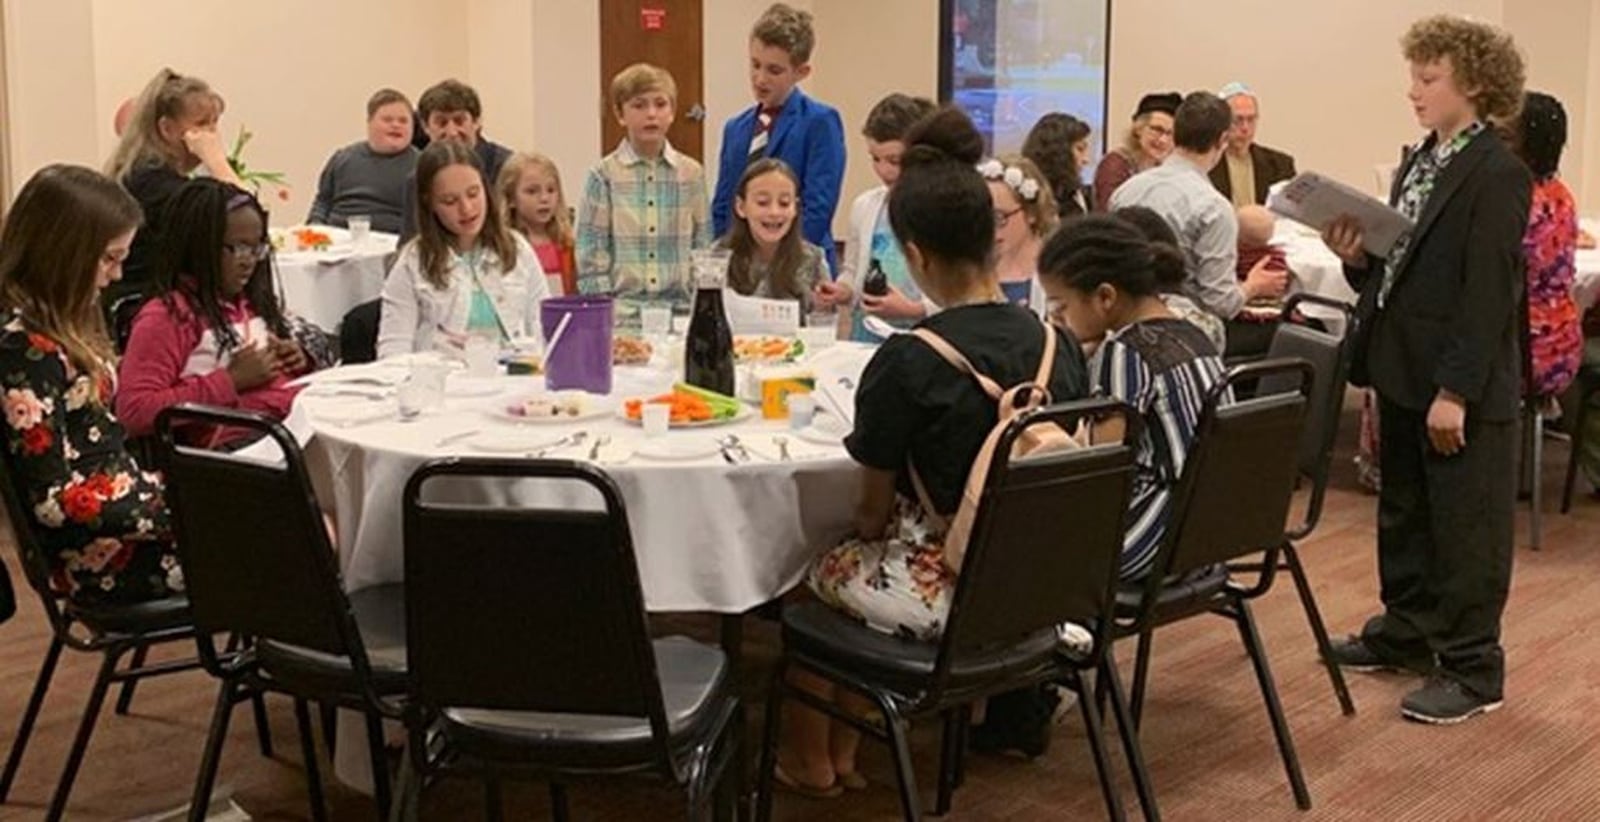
(666, 33)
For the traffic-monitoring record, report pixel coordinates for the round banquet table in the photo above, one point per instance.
(322, 285)
(1316, 271)
(708, 535)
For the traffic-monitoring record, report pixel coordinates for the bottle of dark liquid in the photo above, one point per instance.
(708, 350)
(876, 283)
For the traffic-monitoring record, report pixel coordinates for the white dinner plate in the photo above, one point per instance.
(824, 430)
(511, 441)
(676, 449)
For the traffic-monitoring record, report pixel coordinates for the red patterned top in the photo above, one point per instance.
(1555, 333)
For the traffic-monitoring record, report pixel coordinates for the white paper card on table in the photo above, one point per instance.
(754, 316)
(1316, 201)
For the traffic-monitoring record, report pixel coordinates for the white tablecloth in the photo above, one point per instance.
(1586, 286)
(322, 285)
(1316, 270)
(709, 536)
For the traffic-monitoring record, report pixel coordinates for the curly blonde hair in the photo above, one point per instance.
(1488, 67)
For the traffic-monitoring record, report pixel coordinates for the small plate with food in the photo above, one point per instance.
(555, 408)
(690, 407)
(630, 351)
(767, 349)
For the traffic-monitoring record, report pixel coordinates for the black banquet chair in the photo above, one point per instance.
(1243, 451)
(267, 571)
(111, 632)
(1027, 570)
(551, 674)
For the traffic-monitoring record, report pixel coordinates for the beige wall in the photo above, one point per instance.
(856, 65)
(1329, 74)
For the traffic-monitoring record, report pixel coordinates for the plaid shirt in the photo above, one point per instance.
(638, 221)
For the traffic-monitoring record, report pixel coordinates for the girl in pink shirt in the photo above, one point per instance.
(215, 334)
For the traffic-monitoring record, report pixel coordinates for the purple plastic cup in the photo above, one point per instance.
(581, 358)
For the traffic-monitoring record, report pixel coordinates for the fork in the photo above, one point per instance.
(599, 442)
(783, 447)
(568, 441)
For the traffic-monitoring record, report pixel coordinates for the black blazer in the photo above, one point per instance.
(1271, 166)
(1450, 320)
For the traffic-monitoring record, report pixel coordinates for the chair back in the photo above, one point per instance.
(522, 607)
(257, 557)
(30, 555)
(1047, 539)
(1329, 357)
(1233, 497)
(120, 315)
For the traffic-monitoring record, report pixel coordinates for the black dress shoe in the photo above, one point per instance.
(1445, 701)
(1352, 653)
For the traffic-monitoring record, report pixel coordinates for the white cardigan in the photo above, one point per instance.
(858, 249)
(413, 309)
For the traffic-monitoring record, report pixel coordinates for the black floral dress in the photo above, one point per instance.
(101, 521)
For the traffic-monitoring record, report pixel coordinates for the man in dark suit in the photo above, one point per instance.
(1437, 335)
(1248, 169)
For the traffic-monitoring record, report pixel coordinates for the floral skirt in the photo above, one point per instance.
(898, 585)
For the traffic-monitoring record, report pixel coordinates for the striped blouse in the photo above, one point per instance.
(1163, 368)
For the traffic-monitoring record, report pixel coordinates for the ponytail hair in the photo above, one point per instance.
(941, 203)
(168, 94)
(1101, 249)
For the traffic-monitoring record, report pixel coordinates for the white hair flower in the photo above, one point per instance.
(1014, 177)
(991, 169)
(1029, 189)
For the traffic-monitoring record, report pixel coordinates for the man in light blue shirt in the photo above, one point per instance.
(1180, 190)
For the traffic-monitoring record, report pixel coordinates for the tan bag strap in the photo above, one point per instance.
(959, 360)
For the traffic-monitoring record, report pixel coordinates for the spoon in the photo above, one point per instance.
(783, 447)
(599, 442)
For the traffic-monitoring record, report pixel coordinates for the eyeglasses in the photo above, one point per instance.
(255, 251)
(1003, 217)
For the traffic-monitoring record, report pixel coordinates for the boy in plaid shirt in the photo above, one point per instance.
(644, 206)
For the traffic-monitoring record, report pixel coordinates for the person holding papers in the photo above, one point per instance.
(1437, 337)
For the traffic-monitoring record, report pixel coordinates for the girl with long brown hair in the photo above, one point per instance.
(464, 274)
(771, 257)
(101, 521)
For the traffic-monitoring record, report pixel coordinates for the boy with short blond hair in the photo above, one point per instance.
(786, 124)
(644, 204)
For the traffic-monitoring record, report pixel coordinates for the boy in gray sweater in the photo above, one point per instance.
(368, 179)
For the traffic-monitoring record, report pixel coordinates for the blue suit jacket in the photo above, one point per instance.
(809, 136)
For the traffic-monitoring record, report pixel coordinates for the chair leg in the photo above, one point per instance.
(125, 699)
(1130, 739)
(1535, 480)
(964, 726)
(1141, 674)
(769, 742)
(494, 809)
(330, 727)
(308, 751)
(258, 705)
(559, 809)
(949, 760)
(80, 743)
(1575, 446)
(30, 714)
(381, 792)
(408, 791)
(1097, 748)
(200, 801)
(910, 806)
(1318, 629)
(1269, 694)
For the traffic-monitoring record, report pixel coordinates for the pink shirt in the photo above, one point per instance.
(173, 357)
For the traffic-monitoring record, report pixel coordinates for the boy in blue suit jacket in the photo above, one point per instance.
(785, 123)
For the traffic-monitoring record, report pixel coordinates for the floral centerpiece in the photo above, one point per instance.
(252, 178)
